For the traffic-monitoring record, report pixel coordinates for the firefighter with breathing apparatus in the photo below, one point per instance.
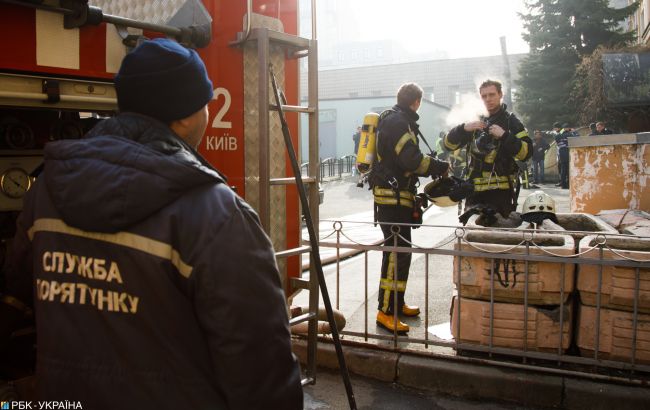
(392, 172)
(493, 143)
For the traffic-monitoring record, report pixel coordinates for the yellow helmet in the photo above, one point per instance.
(448, 191)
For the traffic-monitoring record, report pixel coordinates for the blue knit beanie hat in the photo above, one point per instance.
(163, 80)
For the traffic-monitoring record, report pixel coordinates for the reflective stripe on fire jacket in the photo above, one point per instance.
(489, 182)
(385, 196)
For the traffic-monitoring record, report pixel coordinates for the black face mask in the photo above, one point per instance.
(484, 142)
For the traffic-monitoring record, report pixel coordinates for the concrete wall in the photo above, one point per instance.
(339, 118)
(610, 172)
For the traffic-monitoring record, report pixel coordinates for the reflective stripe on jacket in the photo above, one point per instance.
(398, 153)
(493, 170)
(385, 196)
(153, 282)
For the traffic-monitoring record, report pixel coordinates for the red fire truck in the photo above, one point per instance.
(58, 59)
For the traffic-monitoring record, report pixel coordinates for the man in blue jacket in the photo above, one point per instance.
(562, 141)
(540, 146)
(153, 283)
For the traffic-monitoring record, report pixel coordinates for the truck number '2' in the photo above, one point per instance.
(218, 119)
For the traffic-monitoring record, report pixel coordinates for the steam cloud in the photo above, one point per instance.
(470, 109)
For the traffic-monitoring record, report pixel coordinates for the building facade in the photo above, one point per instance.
(445, 82)
(347, 94)
(640, 22)
(339, 118)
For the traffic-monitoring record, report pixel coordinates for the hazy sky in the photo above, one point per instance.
(462, 28)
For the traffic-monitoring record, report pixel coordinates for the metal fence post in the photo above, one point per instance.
(598, 296)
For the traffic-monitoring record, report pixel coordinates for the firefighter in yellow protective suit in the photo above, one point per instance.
(394, 180)
(494, 143)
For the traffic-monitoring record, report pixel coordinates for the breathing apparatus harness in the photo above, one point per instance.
(381, 174)
(485, 144)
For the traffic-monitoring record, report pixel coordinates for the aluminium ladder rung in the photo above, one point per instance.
(299, 283)
(300, 54)
(302, 318)
(291, 181)
(280, 38)
(293, 251)
(307, 380)
(294, 108)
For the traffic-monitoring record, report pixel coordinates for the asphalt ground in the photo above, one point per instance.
(371, 394)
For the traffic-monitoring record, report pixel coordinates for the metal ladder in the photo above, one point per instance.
(281, 101)
(295, 47)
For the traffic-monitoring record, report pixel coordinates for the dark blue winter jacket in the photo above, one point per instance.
(562, 141)
(154, 285)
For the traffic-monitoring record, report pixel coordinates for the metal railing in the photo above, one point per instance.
(526, 248)
(332, 168)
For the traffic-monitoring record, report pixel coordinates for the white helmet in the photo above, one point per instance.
(538, 201)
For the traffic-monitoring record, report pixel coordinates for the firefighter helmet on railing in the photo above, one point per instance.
(539, 206)
(448, 191)
(538, 201)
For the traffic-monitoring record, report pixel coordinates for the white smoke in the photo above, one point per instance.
(471, 106)
(470, 109)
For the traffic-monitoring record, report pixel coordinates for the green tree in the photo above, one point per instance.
(560, 33)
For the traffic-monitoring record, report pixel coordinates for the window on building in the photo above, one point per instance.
(326, 115)
(375, 93)
(379, 110)
(454, 95)
(428, 93)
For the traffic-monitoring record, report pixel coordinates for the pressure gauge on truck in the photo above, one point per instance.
(16, 168)
(14, 182)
